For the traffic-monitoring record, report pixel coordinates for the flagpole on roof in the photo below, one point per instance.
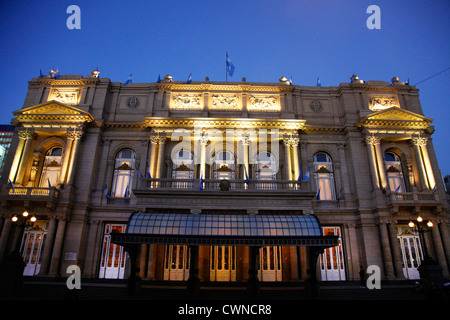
(226, 67)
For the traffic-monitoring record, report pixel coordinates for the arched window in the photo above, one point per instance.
(52, 168)
(394, 172)
(123, 173)
(224, 165)
(266, 166)
(323, 174)
(182, 168)
(183, 165)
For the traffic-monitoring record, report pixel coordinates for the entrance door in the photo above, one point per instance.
(332, 265)
(411, 255)
(31, 248)
(113, 261)
(222, 263)
(270, 264)
(176, 263)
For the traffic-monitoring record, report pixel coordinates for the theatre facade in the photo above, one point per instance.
(222, 181)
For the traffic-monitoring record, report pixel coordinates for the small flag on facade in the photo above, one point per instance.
(398, 188)
(201, 183)
(300, 175)
(129, 80)
(159, 78)
(318, 82)
(12, 185)
(189, 79)
(318, 194)
(140, 174)
(149, 176)
(54, 74)
(127, 193)
(106, 192)
(246, 175)
(230, 66)
(307, 175)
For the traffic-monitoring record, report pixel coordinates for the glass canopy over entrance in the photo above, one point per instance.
(224, 229)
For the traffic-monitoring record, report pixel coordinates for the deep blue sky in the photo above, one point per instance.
(265, 40)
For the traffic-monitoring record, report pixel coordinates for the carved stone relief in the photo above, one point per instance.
(224, 102)
(187, 102)
(66, 96)
(268, 103)
(382, 102)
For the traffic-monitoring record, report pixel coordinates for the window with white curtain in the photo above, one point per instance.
(182, 168)
(266, 166)
(52, 168)
(123, 173)
(323, 174)
(224, 165)
(394, 172)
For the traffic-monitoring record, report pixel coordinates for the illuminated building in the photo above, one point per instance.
(225, 169)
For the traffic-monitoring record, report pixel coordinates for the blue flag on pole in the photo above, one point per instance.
(40, 74)
(246, 175)
(300, 175)
(398, 188)
(159, 78)
(340, 194)
(201, 183)
(230, 66)
(49, 184)
(127, 193)
(149, 176)
(140, 174)
(307, 175)
(318, 82)
(12, 185)
(189, 79)
(106, 192)
(129, 80)
(318, 194)
(54, 74)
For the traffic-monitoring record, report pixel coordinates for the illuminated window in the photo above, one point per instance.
(183, 168)
(224, 165)
(51, 168)
(394, 172)
(323, 174)
(266, 166)
(123, 173)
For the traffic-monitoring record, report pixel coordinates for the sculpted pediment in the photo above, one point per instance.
(395, 117)
(52, 111)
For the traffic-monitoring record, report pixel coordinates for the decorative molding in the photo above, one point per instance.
(185, 101)
(133, 102)
(316, 106)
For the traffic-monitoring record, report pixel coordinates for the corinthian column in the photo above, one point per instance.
(75, 136)
(288, 161)
(27, 136)
(204, 141)
(380, 162)
(417, 143)
(370, 141)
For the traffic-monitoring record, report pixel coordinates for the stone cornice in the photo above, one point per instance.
(248, 123)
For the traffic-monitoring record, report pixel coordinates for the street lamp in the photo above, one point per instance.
(422, 227)
(430, 271)
(22, 221)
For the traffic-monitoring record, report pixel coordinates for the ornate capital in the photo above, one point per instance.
(204, 138)
(373, 140)
(245, 139)
(25, 134)
(74, 134)
(158, 138)
(419, 141)
(291, 140)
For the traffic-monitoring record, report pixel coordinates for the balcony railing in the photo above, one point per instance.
(225, 185)
(28, 192)
(414, 196)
